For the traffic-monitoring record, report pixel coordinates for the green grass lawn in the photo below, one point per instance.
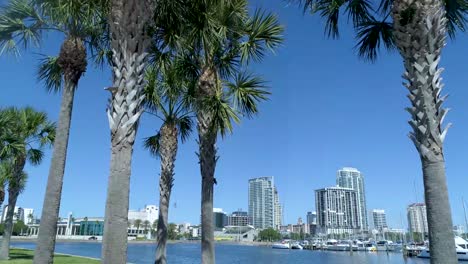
(23, 256)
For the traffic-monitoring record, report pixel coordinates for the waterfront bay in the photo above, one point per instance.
(189, 253)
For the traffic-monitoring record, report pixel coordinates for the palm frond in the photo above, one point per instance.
(330, 11)
(222, 112)
(456, 11)
(21, 25)
(245, 92)
(263, 32)
(185, 126)
(153, 144)
(152, 92)
(35, 156)
(371, 34)
(359, 10)
(50, 73)
(385, 6)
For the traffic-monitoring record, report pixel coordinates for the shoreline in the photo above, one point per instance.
(243, 243)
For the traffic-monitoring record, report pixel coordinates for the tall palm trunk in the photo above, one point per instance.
(129, 43)
(420, 31)
(14, 188)
(207, 155)
(72, 60)
(5, 248)
(168, 152)
(2, 193)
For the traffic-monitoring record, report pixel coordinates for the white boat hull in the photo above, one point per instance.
(280, 246)
(462, 254)
(338, 247)
(297, 246)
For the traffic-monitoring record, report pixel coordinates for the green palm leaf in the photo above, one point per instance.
(50, 73)
(153, 144)
(246, 92)
(371, 34)
(20, 26)
(263, 31)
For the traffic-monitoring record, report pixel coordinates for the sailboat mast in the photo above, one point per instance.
(466, 222)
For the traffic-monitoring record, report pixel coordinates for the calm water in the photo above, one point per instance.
(235, 254)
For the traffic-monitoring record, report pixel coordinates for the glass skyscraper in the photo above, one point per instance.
(353, 179)
(264, 206)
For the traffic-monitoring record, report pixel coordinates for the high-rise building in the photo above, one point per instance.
(18, 214)
(337, 210)
(311, 218)
(264, 203)
(417, 218)
(380, 219)
(353, 179)
(220, 218)
(278, 211)
(312, 222)
(239, 218)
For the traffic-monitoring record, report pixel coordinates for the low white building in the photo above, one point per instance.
(150, 213)
(20, 214)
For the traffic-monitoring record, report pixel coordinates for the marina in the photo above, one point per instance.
(189, 253)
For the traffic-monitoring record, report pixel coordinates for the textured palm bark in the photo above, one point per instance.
(168, 152)
(129, 44)
(115, 228)
(2, 194)
(420, 32)
(207, 155)
(72, 60)
(5, 248)
(14, 188)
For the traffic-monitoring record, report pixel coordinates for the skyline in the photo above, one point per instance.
(309, 153)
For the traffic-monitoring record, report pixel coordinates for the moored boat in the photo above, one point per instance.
(385, 245)
(281, 245)
(461, 247)
(296, 245)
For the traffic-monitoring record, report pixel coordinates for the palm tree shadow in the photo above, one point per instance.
(20, 255)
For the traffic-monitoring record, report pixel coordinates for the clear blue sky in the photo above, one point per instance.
(328, 110)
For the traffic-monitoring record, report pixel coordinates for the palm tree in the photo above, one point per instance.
(30, 132)
(30, 218)
(146, 225)
(418, 29)
(129, 43)
(137, 224)
(154, 228)
(166, 98)
(23, 22)
(220, 50)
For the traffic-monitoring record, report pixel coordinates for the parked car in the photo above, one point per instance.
(92, 238)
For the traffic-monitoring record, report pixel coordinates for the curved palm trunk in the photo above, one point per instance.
(207, 155)
(420, 29)
(168, 152)
(129, 44)
(5, 248)
(14, 188)
(72, 60)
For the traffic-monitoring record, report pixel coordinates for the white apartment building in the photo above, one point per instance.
(353, 179)
(337, 210)
(380, 219)
(417, 218)
(264, 206)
